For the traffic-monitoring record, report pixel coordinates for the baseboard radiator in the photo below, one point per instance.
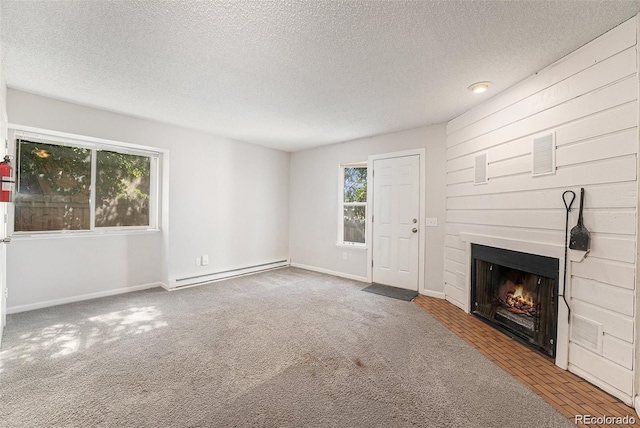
(192, 281)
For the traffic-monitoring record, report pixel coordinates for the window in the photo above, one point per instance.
(353, 206)
(62, 186)
(123, 186)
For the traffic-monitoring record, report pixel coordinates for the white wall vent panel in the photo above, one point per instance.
(460, 280)
(544, 155)
(480, 169)
(586, 333)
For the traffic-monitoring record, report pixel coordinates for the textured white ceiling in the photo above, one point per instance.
(290, 74)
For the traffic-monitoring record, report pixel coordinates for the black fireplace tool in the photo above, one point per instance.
(580, 236)
(567, 204)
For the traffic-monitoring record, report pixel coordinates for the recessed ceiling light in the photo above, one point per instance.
(479, 87)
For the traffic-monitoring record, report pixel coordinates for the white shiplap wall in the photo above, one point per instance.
(589, 99)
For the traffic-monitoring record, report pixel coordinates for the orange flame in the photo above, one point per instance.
(520, 296)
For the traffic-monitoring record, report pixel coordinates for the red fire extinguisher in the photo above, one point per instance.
(6, 177)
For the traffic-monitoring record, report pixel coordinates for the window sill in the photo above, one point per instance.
(26, 236)
(352, 246)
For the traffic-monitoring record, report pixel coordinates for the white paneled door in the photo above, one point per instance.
(396, 221)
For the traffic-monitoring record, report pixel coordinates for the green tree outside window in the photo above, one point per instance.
(354, 205)
(54, 188)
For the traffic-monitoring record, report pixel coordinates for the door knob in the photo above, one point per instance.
(414, 230)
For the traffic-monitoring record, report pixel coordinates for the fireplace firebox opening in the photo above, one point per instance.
(517, 293)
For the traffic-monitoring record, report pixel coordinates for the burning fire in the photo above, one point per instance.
(520, 297)
(520, 301)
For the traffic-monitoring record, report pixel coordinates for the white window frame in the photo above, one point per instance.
(342, 204)
(93, 144)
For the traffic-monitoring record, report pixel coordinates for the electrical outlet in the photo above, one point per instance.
(198, 261)
(344, 256)
(205, 259)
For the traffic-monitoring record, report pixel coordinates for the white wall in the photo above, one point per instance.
(3, 135)
(314, 202)
(589, 99)
(227, 199)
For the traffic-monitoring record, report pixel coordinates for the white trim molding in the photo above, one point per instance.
(330, 272)
(431, 293)
(82, 297)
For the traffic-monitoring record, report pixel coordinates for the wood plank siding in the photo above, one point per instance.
(589, 102)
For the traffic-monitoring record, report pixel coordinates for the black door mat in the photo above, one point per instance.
(394, 292)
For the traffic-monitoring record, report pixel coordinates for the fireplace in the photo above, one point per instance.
(516, 293)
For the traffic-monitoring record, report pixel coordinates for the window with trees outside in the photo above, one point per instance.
(354, 204)
(68, 187)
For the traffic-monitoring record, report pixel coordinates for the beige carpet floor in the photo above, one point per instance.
(285, 348)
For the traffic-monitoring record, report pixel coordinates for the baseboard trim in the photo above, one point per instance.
(179, 284)
(330, 272)
(455, 302)
(436, 294)
(626, 399)
(65, 300)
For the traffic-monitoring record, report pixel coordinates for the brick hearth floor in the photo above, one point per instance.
(566, 392)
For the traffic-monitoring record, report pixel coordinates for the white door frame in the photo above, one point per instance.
(421, 153)
(4, 229)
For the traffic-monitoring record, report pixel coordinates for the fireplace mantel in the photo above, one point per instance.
(550, 250)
